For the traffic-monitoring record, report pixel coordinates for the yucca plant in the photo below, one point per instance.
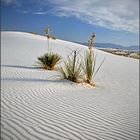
(47, 32)
(89, 66)
(72, 68)
(49, 60)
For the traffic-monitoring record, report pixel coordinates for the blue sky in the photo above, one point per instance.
(111, 20)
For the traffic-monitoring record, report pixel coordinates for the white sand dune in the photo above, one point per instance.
(35, 105)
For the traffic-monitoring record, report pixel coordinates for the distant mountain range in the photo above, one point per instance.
(114, 46)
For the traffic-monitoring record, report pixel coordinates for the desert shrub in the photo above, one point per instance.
(49, 60)
(72, 68)
(89, 66)
(33, 33)
(53, 37)
(48, 36)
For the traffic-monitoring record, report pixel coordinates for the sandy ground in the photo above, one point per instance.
(36, 105)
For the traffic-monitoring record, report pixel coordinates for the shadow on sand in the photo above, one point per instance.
(54, 79)
(22, 67)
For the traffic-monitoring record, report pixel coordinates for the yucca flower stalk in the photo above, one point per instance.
(47, 32)
(91, 41)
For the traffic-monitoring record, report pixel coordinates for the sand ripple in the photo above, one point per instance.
(35, 105)
(48, 110)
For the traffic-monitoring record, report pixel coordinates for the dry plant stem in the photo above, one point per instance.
(74, 60)
(92, 83)
(48, 46)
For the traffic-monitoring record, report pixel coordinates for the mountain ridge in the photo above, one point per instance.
(114, 46)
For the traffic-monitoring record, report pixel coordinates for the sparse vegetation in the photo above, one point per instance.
(89, 65)
(89, 61)
(132, 54)
(48, 61)
(135, 55)
(53, 37)
(72, 68)
(49, 36)
(91, 41)
(78, 71)
(47, 33)
(33, 33)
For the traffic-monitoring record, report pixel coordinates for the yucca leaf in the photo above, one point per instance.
(72, 70)
(49, 60)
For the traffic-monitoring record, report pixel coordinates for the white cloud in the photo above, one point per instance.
(112, 14)
(40, 13)
(23, 11)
